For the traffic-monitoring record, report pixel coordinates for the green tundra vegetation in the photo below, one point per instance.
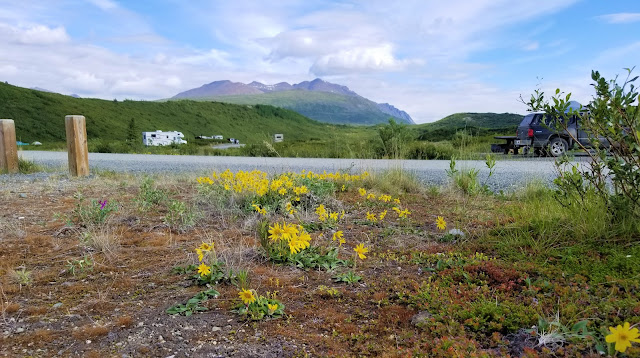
(116, 126)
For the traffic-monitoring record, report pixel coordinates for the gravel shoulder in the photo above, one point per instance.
(509, 173)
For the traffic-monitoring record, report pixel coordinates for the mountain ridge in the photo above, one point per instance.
(325, 109)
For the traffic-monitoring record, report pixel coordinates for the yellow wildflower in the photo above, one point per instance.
(362, 191)
(275, 231)
(371, 196)
(200, 254)
(320, 210)
(271, 308)
(289, 231)
(371, 217)
(622, 336)
(333, 216)
(361, 250)
(299, 242)
(204, 270)
(404, 213)
(440, 223)
(247, 296)
(282, 191)
(338, 235)
(397, 201)
(344, 187)
(341, 214)
(206, 247)
(382, 215)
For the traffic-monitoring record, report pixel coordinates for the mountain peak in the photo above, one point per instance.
(369, 111)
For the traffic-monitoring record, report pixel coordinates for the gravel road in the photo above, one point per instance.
(509, 173)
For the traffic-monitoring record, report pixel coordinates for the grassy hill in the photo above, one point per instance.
(473, 123)
(325, 106)
(40, 116)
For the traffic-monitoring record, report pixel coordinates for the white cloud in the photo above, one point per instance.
(104, 4)
(7, 70)
(359, 59)
(84, 82)
(620, 18)
(44, 35)
(211, 57)
(34, 34)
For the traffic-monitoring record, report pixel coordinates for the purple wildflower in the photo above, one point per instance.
(103, 203)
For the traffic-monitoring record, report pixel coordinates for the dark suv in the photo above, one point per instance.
(539, 132)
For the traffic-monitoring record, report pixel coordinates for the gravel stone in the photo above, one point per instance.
(509, 174)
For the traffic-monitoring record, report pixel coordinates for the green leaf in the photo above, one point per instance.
(580, 327)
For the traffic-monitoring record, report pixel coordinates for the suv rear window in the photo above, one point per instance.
(527, 120)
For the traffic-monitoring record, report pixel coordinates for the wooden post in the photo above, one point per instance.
(77, 149)
(8, 146)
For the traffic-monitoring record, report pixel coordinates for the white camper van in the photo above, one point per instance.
(159, 137)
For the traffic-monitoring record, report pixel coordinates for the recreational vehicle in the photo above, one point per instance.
(159, 137)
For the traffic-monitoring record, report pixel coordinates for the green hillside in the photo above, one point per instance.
(473, 123)
(329, 107)
(40, 116)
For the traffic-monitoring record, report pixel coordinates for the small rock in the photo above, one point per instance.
(216, 329)
(22, 195)
(456, 232)
(88, 341)
(19, 330)
(420, 318)
(57, 305)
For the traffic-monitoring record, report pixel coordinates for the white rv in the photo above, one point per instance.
(159, 137)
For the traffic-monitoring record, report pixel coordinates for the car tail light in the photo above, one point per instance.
(530, 133)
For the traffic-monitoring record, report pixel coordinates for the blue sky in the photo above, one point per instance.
(430, 58)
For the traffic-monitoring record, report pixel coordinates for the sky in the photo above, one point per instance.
(430, 58)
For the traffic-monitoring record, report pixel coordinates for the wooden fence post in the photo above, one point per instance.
(8, 146)
(77, 149)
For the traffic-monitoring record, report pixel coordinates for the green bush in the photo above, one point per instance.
(429, 150)
(612, 123)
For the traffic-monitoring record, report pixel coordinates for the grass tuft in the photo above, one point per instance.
(394, 181)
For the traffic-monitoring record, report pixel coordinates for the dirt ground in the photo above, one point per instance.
(117, 306)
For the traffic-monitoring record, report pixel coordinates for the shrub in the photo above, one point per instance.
(612, 123)
(429, 150)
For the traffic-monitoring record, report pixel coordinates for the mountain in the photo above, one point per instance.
(317, 99)
(282, 86)
(319, 85)
(46, 90)
(394, 112)
(40, 116)
(218, 88)
(476, 123)
(41, 89)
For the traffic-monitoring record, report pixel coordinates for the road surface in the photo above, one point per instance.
(508, 174)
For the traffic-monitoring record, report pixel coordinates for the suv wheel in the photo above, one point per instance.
(558, 147)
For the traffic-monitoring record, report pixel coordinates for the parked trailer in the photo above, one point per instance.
(160, 138)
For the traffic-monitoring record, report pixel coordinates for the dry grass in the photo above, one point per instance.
(11, 228)
(101, 238)
(90, 332)
(394, 181)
